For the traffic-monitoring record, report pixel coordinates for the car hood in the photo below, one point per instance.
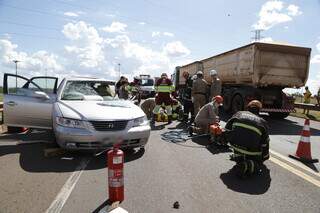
(100, 110)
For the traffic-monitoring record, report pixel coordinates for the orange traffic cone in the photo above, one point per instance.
(303, 152)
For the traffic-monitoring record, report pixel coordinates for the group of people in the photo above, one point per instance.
(247, 131)
(126, 90)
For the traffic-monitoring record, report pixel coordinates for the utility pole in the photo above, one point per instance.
(46, 78)
(119, 69)
(16, 62)
(257, 36)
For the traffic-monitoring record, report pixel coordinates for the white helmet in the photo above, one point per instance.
(213, 72)
(199, 72)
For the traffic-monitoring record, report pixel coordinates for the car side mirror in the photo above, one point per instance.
(40, 95)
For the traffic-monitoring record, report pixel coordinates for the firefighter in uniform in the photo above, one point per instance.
(199, 92)
(215, 88)
(134, 88)
(147, 107)
(176, 109)
(207, 116)
(249, 139)
(186, 98)
(163, 88)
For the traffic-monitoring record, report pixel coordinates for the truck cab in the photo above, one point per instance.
(146, 86)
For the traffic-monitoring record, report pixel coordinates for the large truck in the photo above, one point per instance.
(255, 71)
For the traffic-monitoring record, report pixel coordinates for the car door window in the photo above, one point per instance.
(47, 85)
(17, 85)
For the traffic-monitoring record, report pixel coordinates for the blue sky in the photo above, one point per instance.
(82, 37)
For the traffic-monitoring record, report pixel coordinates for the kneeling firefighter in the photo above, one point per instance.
(207, 116)
(249, 139)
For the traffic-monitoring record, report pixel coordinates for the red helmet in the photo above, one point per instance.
(218, 99)
(185, 74)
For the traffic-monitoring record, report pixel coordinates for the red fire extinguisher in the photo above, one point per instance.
(115, 174)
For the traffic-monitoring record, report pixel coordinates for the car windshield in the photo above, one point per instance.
(88, 91)
(147, 82)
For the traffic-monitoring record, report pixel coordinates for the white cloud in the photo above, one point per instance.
(273, 13)
(144, 60)
(266, 40)
(168, 34)
(142, 23)
(158, 34)
(115, 27)
(293, 10)
(176, 49)
(30, 64)
(71, 14)
(316, 59)
(155, 34)
(86, 43)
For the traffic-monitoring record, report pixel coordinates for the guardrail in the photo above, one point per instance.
(307, 106)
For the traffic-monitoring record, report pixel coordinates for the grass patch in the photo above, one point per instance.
(313, 115)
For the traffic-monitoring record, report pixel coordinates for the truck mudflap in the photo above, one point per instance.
(278, 110)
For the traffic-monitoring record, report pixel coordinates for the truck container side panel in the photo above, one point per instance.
(232, 67)
(281, 69)
(257, 65)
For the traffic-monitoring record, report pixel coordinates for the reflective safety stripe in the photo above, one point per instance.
(245, 166)
(161, 88)
(247, 127)
(265, 156)
(252, 166)
(245, 151)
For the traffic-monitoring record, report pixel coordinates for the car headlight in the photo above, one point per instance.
(142, 121)
(72, 123)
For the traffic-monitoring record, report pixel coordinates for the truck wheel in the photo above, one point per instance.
(278, 115)
(237, 104)
(226, 104)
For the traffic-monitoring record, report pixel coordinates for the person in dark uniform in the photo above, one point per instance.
(186, 98)
(249, 140)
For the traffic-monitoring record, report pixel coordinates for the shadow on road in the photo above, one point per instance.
(258, 184)
(32, 157)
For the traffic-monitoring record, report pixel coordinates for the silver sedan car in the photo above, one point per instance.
(83, 112)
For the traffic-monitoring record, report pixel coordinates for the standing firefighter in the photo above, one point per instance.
(215, 88)
(199, 92)
(249, 139)
(163, 88)
(207, 116)
(307, 99)
(186, 97)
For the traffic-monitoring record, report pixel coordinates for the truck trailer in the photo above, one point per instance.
(256, 71)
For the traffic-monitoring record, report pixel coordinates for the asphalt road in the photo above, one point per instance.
(171, 168)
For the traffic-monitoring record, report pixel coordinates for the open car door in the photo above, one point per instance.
(28, 102)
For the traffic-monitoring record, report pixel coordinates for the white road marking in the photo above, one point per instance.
(58, 203)
(296, 171)
(298, 164)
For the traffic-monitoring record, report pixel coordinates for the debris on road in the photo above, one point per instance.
(176, 205)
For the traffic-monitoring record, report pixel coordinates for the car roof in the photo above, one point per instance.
(81, 78)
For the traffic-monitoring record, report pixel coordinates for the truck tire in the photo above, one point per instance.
(279, 115)
(227, 103)
(237, 104)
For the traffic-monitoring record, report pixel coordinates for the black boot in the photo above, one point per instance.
(169, 119)
(153, 119)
